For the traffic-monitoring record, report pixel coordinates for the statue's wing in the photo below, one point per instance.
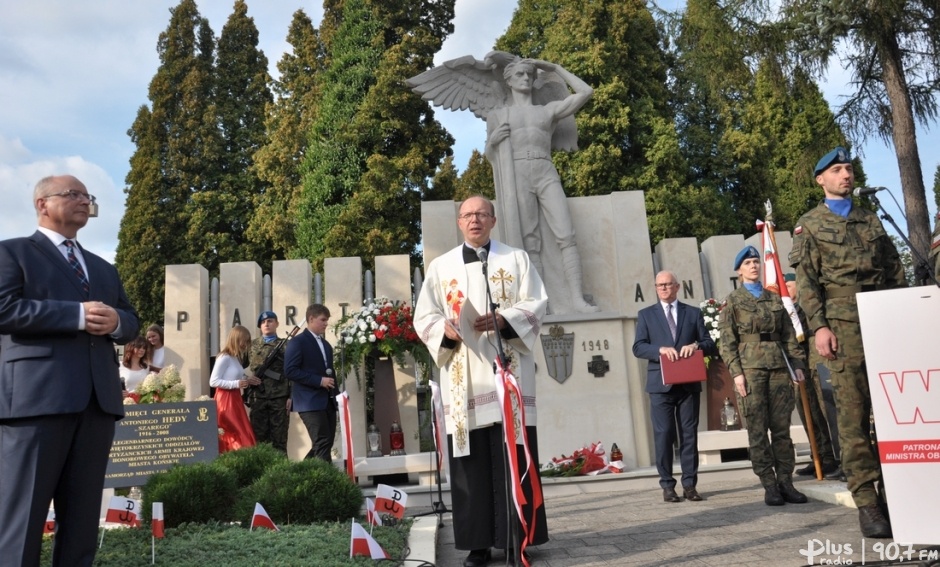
(461, 84)
(550, 87)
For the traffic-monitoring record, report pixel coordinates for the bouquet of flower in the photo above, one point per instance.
(710, 310)
(382, 326)
(165, 386)
(589, 460)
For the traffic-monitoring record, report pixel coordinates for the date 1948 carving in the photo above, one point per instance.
(595, 345)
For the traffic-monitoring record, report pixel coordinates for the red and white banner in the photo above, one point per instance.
(49, 527)
(260, 519)
(362, 544)
(903, 363)
(438, 429)
(390, 500)
(513, 413)
(773, 274)
(123, 510)
(156, 520)
(346, 433)
(372, 516)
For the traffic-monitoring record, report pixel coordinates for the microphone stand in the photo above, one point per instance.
(511, 520)
(922, 270)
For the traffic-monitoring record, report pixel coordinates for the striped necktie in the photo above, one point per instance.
(76, 265)
(671, 320)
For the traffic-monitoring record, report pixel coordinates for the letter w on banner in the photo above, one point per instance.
(773, 273)
(513, 414)
(390, 500)
(346, 434)
(124, 511)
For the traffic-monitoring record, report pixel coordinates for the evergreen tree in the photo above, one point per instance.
(444, 182)
(476, 179)
(220, 211)
(177, 145)
(333, 163)
(363, 192)
(893, 51)
(289, 119)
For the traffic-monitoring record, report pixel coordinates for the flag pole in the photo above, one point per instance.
(768, 231)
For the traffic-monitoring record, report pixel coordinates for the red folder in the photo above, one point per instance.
(683, 370)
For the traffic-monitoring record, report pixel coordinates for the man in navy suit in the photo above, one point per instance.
(62, 310)
(308, 363)
(676, 330)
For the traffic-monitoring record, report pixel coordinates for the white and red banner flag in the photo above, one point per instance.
(260, 519)
(346, 433)
(390, 500)
(123, 510)
(362, 544)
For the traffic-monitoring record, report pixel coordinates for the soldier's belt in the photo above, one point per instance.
(530, 155)
(760, 337)
(835, 291)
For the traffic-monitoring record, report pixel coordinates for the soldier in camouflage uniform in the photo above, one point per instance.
(838, 251)
(759, 346)
(270, 401)
(827, 457)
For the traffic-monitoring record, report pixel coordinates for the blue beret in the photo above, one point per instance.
(744, 254)
(266, 315)
(838, 155)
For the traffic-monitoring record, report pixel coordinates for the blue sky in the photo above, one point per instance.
(73, 74)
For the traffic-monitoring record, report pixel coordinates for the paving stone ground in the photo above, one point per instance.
(624, 521)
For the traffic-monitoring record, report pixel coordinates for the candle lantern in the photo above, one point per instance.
(729, 417)
(396, 439)
(375, 442)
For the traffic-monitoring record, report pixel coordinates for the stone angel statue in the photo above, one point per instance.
(529, 108)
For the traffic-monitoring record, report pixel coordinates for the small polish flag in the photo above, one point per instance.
(362, 544)
(371, 515)
(49, 527)
(156, 520)
(123, 510)
(390, 500)
(261, 519)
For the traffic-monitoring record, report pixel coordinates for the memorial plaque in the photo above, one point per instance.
(152, 437)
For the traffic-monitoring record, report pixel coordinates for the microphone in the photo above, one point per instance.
(862, 191)
(482, 254)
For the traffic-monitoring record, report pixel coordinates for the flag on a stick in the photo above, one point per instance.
(390, 500)
(346, 433)
(156, 520)
(261, 519)
(49, 527)
(773, 273)
(123, 510)
(372, 516)
(362, 544)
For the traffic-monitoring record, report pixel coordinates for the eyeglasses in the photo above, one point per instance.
(665, 285)
(478, 216)
(72, 195)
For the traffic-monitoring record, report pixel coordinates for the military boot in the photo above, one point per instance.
(872, 522)
(772, 495)
(791, 494)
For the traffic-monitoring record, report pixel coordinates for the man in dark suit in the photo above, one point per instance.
(676, 330)
(62, 310)
(308, 362)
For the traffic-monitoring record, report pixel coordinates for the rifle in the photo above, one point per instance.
(266, 365)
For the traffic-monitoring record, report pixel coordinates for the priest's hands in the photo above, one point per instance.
(485, 323)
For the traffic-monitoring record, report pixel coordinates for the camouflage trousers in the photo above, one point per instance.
(820, 424)
(767, 407)
(860, 460)
(270, 421)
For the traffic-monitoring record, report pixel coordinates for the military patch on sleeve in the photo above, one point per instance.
(798, 230)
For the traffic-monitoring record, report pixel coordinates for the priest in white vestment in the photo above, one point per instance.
(451, 318)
